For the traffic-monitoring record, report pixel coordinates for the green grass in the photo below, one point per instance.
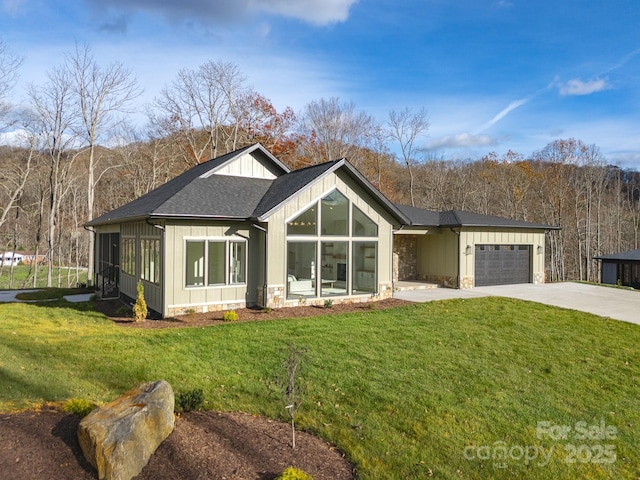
(402, 392)
(23, 277)
(52, 293)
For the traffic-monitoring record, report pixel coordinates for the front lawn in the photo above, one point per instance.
(22, 277)
(432, 390)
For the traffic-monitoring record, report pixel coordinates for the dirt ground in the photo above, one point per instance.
(113, 308)
(204, 445)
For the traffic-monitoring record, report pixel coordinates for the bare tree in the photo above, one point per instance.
(334, 130)
(100, 95)
(405, 127)
(56, 127)
(290, 384)
(196, 105)
(16, 169)
(13, 178)
(10, 63)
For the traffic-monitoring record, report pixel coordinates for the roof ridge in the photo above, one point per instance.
(316, 165)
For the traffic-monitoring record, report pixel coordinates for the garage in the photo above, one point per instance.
(502, 264)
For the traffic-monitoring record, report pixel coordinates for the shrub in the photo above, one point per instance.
(140, 308)
(190, 400)
(230, 316)
(294, 474)
(328, 303)
(79, 406)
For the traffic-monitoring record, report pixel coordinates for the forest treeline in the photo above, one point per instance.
(76, 154)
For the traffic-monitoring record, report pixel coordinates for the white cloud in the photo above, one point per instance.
(15, 138)
(575, 86)
(461, 140)
(320, 12)
(505, 111)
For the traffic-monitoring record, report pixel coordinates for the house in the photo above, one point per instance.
(621, 268)
(8, 259)
(243, 230)
(30, 258)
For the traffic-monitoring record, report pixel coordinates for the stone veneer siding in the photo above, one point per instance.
(276, 297)
(205, 308)
(405, 257)
(442, 280)
(466, 282)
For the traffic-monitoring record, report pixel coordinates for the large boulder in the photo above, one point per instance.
(119, 438)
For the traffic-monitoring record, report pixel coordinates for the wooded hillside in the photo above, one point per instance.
(76, 154)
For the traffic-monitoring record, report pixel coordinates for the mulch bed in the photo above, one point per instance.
(113, 308)
(43, 444)
(204, 445)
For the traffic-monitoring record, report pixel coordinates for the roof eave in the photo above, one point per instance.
(168, 216)
(373, 191)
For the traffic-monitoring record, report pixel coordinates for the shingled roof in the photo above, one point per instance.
(287, 185)
(200, 193)
(630, 256)
(420, 217)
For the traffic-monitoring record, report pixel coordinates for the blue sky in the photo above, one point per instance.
(493, 75)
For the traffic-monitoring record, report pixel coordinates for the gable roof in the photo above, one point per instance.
(631, 255)
(420, 217)
(286, 186)
(199, 193)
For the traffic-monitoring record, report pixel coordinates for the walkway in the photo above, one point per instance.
(9, 296)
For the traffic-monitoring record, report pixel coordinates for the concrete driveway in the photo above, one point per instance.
(609, 302)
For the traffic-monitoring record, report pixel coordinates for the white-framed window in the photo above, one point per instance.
(150, 260)
(215, 262)
(129, 255)
(237, 262)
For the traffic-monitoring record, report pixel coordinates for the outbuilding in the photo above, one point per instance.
(621, 268)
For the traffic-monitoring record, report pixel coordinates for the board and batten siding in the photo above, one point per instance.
(180, 298)
(493, 236)
(246, 166)
(436, 255)
(129, 283)
(277, 237)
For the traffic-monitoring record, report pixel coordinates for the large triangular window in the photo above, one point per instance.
(304, 224)
(363, 226)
